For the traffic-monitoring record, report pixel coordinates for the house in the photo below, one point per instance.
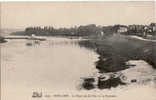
(101, 33)
(122, 29)
(153, 28)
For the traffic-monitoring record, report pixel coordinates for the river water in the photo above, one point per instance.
(56, 64)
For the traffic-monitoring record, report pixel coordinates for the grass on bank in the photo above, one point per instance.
(116, 50)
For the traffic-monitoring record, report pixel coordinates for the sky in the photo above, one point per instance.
(20, 15)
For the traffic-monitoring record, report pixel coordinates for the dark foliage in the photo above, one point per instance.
(112, 82)
(2, 40)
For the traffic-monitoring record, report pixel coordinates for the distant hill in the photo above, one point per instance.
(5, 32)
(18, 33)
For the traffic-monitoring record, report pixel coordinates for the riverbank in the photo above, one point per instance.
(115, 51)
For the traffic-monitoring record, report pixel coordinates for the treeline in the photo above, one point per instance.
(92, 29)
(142, 30)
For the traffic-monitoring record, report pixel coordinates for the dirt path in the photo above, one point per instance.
(140, 38)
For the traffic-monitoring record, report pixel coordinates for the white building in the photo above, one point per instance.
(122, 29)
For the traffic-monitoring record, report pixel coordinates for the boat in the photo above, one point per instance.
(29, 44)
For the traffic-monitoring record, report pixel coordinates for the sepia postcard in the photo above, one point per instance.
(78, 50)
